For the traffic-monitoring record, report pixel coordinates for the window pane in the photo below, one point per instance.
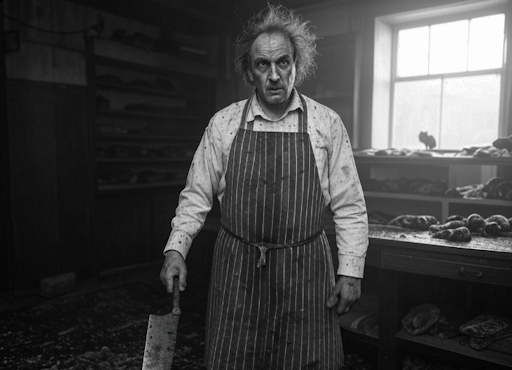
(486, 42)
(448, 47)
(470, 111)
(416, 109)
(412, 59)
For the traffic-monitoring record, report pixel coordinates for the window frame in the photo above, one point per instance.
(385, 61)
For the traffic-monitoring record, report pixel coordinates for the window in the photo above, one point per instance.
(446, 76)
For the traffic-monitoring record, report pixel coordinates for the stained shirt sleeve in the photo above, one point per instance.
(196, 199)
(347, 203)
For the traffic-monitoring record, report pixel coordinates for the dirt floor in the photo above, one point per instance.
(103, 326)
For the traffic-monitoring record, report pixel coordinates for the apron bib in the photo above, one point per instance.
(266, 307)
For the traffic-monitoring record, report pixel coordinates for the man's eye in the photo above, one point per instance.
(284, 62)
(262, 64)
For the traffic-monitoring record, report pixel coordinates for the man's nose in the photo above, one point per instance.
(274, 76)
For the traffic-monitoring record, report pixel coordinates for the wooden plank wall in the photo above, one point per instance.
(50, 181)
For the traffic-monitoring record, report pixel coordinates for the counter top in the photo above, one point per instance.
(400, 237)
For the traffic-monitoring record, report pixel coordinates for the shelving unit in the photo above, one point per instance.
(409, 268)
(147, 113)
(128, 111)
(454, 171)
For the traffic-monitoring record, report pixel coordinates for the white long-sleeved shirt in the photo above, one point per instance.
(334, 160)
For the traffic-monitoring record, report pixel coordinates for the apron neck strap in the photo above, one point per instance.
(303, 115)
(303, 120)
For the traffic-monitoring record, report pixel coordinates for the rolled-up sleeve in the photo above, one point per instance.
(347, 204)
(196, 199)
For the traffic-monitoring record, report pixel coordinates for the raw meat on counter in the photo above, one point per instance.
(414, 222)
(460, 234)
(379, 218)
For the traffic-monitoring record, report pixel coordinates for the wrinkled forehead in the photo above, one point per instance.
(271, 45)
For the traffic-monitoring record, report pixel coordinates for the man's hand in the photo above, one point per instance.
(345, 294)
(174, 265)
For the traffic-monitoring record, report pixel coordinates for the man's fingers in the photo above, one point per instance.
(174, 266)
(342, 307)
(183, 280)
(331, 302)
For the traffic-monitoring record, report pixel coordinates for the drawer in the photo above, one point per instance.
(485, 272)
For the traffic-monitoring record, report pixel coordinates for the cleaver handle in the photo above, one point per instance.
(176, 310)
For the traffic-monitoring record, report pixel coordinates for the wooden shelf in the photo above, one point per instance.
(160, 116)
(428, 198)
(443, 167)
(143, 160)
(405, 196)
(145, 90)
(426, 343)
(169, 97)
(441, 160)
(111, 53)
(121, 187)
(365, 308)
(130, 137)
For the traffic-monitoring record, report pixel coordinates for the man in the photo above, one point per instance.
(274, 161)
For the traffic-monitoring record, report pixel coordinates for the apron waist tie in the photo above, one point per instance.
(264, 246)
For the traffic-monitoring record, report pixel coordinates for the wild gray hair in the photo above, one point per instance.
(282, 20)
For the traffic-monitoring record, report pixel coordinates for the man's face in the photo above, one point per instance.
(272, 70)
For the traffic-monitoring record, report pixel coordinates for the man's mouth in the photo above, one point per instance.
(275, 89)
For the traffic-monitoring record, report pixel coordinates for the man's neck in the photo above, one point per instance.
(274, 111)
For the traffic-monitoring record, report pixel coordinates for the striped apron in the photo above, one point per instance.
(272, 270)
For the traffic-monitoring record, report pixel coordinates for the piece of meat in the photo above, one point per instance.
(379, 218)
(504, 190)
(488, 151)
(455, 218)
(447, 225)
(460, 234)
(486, 326)
(369, 325)
(438, 188)
(482, 343)
(467, 192)
(492, 229)
(448, 324)
(442, 234)
(503, 143)
(490, 189)
(500, 220)
(414, 222)
(421, 318)
(476, 223)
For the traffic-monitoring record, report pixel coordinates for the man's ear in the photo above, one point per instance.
(250, 76)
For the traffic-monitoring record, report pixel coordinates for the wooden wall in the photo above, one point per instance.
(50, 181)
(57, 223)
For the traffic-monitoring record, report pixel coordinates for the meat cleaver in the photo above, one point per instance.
(161, 336)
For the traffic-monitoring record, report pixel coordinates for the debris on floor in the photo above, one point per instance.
(105, 329)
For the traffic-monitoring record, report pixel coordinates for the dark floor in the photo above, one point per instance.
(102, 325)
